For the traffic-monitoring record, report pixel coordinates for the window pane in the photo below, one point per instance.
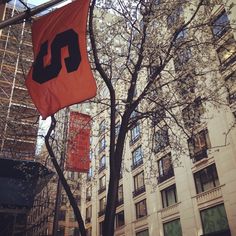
(173, 228)
(141, 210)
(221, 24)
(214, 219)
(143, 233)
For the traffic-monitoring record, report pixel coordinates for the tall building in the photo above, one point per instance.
(167, 188)
(21, 177)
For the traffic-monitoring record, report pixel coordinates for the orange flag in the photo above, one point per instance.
(60, 75)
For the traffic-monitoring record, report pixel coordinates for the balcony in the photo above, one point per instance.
(102, 189)
(101, 213)
(119, 202)
(170, 210)
(88, 220)
(167, 175)
(101, 168)
(225, 232)
(137, 164)
(209, 195)
(200, 155)
(88, 198)
(138, 191)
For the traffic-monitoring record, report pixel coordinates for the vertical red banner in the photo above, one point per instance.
(78, 147)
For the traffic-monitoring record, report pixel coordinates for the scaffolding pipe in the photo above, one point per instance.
(28, 13)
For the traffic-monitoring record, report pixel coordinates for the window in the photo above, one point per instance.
(137, 157)
(141, 209)
(135, 133)
(158, 115)
(62, 215)
(102, 163)
(165, 169)
(182, 57)
(143, 233)
(192, 113)
(90, 173)
(139, 186)
(231, 87)
(88, 193)
(102, 144)
(76, 231)
(220, 25)
(206, 179)
(101, 225)
(172, 228)
(174, 17)
(215, 220)
(169, 196)
(120, 198)
(227, 53)
(186, 86)
(88, 214)
(120, 219)
(198, 145)
(161, 139)
(61, 231)
(102, 206)
(89, 232)
(117, 128)
(102, 127)
(102, 184)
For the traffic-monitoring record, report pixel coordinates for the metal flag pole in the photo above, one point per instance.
(28, 13)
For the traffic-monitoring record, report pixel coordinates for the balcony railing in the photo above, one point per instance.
(102, 189)
(88, 198)
(101, 168)
(137, 164)
(119, 202)
(102, 212)
(200, 155)
(138, 191)
(167, 175)
(225, 232)
(170, 210)
(209, 195)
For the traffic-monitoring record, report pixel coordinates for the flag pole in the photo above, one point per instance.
(28, 13)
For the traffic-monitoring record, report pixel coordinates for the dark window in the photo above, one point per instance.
(88, 214)
(102, 206)
(206, 179)
(158, 115)
(120, 198)
(227, 53)
(186, 86)
(117, 128)
(165, 168)
(102, 163)
(230, 82)
(214, 220)
(102, 183)
(198, 145)
(137, 157)
(141, 209)
(88, 193)
(192, 113)
(102, 144)
(61, 231)
(182, 57)
(169, 196)
(143, 233)
(101, 225)
(161, 139)
(220, 25)
(62, 215)
(135, 133)
(89, 232)
(76, 232)
(120, 219)
(174, 16)
(172, 228)
(102, 127)
(139, 186)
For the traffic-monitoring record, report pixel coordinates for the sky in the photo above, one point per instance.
(37, 2)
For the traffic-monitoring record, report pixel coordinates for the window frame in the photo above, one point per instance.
(166, 193)
(138, 209)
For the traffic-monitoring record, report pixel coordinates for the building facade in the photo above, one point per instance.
(166, 193)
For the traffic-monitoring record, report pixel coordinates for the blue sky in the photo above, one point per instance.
(37, 2)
